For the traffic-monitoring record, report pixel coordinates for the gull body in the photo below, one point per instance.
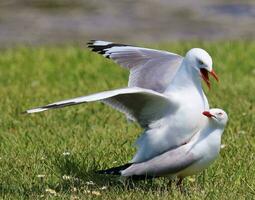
(185, 160)
(183, 121)
(164, 96)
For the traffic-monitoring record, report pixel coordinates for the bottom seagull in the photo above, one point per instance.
(185, 160)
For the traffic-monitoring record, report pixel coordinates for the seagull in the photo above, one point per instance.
(164, 94)
(185, 160)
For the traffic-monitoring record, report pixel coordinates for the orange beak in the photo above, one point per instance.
(205, 77)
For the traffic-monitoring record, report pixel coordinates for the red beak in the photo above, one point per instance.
(205, 77)
(208, 114)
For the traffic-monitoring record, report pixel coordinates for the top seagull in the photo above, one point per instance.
(164, 94)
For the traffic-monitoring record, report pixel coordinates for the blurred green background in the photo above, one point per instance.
(144, 21)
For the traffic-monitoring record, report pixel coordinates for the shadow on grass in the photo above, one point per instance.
(77, 175)
(84, 176)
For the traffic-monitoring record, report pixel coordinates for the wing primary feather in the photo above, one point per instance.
(145, 65)
(54, 106)
(101, 47)
(138, 104)
(50, 106)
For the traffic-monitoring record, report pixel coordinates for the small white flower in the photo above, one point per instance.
(222, 146)
(74, 197)
(103, 188)
(51, 191)
(65, 177)
(191, 179)
(66, 153)
(97, 193)
(90, 183)
(40, 175)
(76, 179)
(242, 132)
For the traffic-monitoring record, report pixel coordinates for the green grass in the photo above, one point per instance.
(97, 136)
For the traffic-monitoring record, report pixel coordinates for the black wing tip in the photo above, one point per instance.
(102, 49)
(48, 107)
(114, 170)
(96, 48)
(54, 106)
(90, 43)
(24, 113)
(108, 172)
(117, 171)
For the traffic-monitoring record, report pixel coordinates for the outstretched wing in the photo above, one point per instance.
(149, 68)
(139, 104)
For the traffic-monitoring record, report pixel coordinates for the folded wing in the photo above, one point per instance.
(141, 105)
(149, 68)
(170, 162)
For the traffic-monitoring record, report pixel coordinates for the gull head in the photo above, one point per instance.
(217, 116)
(201, 61)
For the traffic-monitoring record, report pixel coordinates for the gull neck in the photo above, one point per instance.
(210, 132)
(186, 77)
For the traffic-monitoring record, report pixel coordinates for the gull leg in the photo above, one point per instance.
(170, 181)
(149, 181)
(180, 185)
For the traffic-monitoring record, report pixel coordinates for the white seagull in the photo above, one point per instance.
(164, 96)
(185, 160)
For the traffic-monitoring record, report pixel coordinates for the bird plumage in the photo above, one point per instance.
(164, 96)
(185, 160)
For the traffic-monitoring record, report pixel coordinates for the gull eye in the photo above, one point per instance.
(220, 113)
(200, 62)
